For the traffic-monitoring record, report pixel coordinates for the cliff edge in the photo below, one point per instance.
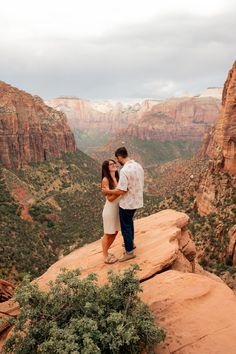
(197, 310)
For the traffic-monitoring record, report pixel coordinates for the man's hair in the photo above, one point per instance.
(121, 151)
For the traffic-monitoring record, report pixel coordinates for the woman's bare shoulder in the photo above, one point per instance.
(105, 180)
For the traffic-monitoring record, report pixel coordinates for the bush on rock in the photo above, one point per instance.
(78, 316)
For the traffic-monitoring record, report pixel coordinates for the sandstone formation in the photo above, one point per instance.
(157, 240)
(177, 119)
(225, 134)
(6, 290)
(186, 305)
(173, 119)
(198, 313)
(87, 115)
(220, 146)
(30, 131)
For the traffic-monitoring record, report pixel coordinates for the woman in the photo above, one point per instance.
(110, 215)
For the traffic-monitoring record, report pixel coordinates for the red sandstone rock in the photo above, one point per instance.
(98, 116)
(197, 311)
(220, 146)
(30, 131)
(6, 290)
(225, 134)
(223, 143)
(177, 119)
(172, 119)
(157, 240)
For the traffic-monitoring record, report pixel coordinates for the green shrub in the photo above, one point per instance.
(229, 261)
(38, 211)
(203, 262)
(50, 224)
(78, 316)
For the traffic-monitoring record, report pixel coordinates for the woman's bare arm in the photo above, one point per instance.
(105, 184)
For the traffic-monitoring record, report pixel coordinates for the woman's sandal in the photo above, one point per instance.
(110, 259)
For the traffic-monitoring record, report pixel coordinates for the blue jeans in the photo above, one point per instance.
(127, 227)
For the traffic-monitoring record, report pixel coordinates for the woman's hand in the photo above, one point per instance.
(105, 190)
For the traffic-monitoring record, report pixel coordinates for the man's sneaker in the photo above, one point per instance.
(127, 256)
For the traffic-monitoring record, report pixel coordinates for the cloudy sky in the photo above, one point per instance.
(116, 49)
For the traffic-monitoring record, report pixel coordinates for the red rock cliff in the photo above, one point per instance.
(172, 119)
(177, 119)
(89, 115)
(220, 146)
(225, 133)
(198, 311)
(30, 131)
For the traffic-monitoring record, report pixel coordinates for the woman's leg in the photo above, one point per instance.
(107, 241)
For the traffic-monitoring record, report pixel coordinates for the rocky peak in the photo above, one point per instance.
(30, 131)
(100, 116)
(215, 92)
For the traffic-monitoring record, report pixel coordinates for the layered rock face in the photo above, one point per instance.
(172, 119)
(177, 119)
(196, 310)
(88, 115)
(225, 133)
(220, 146)
(30, 131)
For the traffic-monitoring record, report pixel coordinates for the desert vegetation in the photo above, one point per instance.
(79, 316)
(63, 207)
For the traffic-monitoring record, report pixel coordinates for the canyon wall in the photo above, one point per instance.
(87, 115)
(30, 131)
(220, 147)
(177, 119)
(172, 119)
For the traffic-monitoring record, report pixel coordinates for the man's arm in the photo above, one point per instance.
(117, 192)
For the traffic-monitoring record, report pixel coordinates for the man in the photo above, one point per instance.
(130, 187)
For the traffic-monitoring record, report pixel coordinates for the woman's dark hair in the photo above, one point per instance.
(106, 173)
(121, 151)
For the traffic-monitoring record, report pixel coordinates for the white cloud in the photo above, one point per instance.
(109, 48)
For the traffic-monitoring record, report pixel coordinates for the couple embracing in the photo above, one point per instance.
(124, 195)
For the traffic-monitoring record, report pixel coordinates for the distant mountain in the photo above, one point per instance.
(105, 116)
(99, 127)
(215, 92)
(175, 119)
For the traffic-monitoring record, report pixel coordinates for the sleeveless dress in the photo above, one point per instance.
(110, 216)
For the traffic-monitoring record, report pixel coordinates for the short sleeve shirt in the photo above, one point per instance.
(131, 179)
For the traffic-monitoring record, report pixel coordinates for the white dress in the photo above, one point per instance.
(111, 218)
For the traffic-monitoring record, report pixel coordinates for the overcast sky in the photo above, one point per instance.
(114, 49)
